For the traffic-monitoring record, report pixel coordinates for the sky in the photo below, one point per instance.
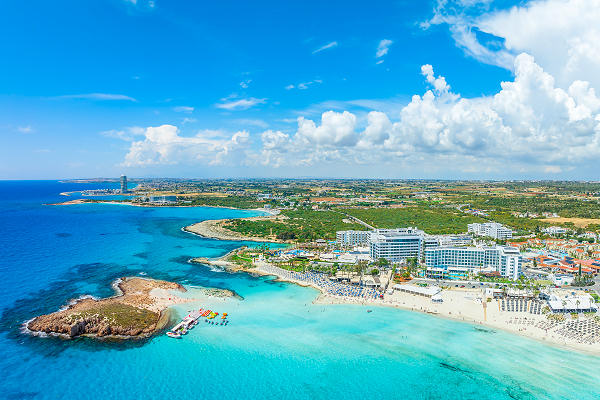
(443, 89)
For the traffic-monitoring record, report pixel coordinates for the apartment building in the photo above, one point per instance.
(491, 229)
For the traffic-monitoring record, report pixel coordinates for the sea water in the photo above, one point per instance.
(277, 345)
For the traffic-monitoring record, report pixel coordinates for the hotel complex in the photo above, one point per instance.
(446, 256)
(396, 245)
(491, 229)
(352, 238)
(458, 262)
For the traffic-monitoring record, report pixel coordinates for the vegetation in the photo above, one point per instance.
(565, 207)
(431, 219)
(302, 225)
(227, 201)
(120, 314)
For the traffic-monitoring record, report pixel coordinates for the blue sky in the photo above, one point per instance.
(269, 88)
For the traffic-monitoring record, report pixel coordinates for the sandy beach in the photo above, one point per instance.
(462, 305)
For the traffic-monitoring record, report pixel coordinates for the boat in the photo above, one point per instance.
(174, 335)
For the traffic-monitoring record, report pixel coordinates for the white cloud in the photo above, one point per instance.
(240, 104)
(188, 120)
(562, 35)
(164, 145)
(25, 129)
(184, 109)
(245, 84)
(336, 129)
(304, 85)
(98, 96)
(383, 48)
(127, 134)
(553, 169)
(530, 123)
(325, 47)
(439, 84)
(252, 122)
(141, 3)
(535, 124)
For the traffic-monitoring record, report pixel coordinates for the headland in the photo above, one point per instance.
(137, 310)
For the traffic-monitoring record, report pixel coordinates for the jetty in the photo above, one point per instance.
(192, 319)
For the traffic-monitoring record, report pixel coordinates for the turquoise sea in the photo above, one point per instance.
(278, 345)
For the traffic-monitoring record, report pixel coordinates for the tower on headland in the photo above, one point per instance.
(123, 184)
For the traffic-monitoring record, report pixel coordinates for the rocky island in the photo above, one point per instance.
(137, 310)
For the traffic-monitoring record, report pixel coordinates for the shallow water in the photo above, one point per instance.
(277, 345)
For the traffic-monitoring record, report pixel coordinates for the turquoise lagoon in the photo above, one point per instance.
(277, 345)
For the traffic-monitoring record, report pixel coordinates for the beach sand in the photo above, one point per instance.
(459, 304)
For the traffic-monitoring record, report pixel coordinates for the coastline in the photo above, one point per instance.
(458, 305)
(213, 229)
(269, 212)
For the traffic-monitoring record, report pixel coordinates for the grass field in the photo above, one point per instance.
(120, 314)
(578, 222)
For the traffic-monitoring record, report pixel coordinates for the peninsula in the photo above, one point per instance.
(217, 229)
(136, 311)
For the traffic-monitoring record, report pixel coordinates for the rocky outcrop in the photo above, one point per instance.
(135, 312)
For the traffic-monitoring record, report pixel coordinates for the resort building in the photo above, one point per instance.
(123, 184)
(448, 273)
(352, 238)
(554, 230)
(491, 229)
(572, 303)
(562, 279)
(425, 291)
(163, 199)
(433, 241)
(396, 245)
(455, 260)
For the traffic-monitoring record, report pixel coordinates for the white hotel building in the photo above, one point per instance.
(505, 260)
(396, 245)
(352, 238)
(491, 229)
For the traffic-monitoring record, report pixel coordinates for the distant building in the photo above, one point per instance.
(491, 229)
(162, 199)
(562, 279)
(505, 260)
(352, 238)
(554, 230)
(396, 245)
(123, 184)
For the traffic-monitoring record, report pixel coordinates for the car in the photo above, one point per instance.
(462, 286)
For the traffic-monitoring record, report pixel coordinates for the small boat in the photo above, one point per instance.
(174, 335)
(369, 311)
